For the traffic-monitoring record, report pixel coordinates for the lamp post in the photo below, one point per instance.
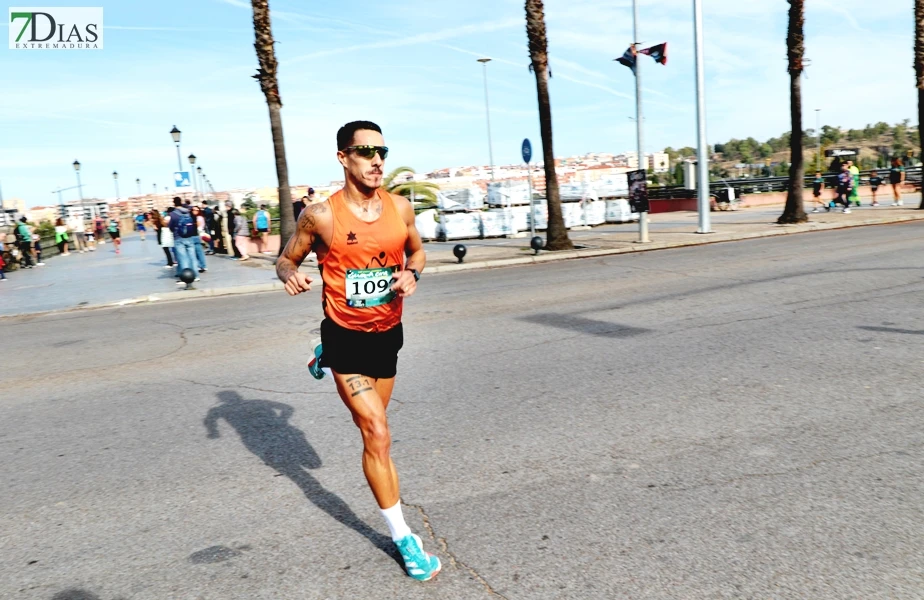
(643, 217)
(138, 183)
(702, 152)
(80, 187)
(115, 177)
(192, 169)
(487, 111)
(176, 140)
(818, 139)
(201, 180)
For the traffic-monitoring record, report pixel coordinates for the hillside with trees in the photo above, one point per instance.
(753, 158)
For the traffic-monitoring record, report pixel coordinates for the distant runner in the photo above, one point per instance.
(114, 234)
(818, 186)
(362, 235)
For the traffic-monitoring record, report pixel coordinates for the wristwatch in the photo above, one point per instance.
(416, 274)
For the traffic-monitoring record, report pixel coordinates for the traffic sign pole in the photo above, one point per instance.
(527, 151)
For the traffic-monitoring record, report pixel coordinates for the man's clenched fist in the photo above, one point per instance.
(298, 283)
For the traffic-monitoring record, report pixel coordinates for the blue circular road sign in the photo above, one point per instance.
(527, 150)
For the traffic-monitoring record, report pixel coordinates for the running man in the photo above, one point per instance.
(844, 187)
(114, 234)
(139, 223)
(874, 182)
(897, 178)
(261, 222)
(855, 174)
(818, 186)
(362, 235)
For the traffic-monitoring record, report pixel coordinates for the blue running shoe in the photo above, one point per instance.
(314, 363)
(420, 565)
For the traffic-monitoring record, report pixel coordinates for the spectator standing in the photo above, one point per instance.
(218, 239)
(298, 206)
(200, 228)
(2, 262)
(208, 236)
(76, 225)
(897, 178)
(874, 182)
(261, 222)
(241, 232)
(164, 235)
(98, 226)
(61, 238)
(183, 226)
(231, 217)
(311, 197)
(24, 243)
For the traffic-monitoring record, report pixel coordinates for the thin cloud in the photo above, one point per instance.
(421, 38)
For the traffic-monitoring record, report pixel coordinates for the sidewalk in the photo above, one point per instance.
(137, 275)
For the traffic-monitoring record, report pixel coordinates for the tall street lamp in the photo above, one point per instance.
(138, 183)
(176, 140)
(201, 181)
(80, 186)
(487, 111)
(192, 169)
(818, 139)
(115, 177)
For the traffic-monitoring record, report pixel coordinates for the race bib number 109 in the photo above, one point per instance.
(366, 288)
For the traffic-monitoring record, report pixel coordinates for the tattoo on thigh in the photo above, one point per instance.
(359, 385)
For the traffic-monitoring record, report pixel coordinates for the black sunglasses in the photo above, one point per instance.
(368, 152)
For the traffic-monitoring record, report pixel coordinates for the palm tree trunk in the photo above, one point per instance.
(556, 235)
(795, 44)
(269, 84)
(919, 72)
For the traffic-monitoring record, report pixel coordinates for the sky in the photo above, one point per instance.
(411, 67)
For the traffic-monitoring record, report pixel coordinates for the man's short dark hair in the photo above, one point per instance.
(177, 201)
(262, 206)
(346, 133)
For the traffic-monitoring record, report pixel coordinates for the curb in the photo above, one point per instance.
(705, 239)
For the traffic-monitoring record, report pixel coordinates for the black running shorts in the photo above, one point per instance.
(351, 352)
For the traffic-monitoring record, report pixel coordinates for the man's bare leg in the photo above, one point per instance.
(361, 396)
(367, 398)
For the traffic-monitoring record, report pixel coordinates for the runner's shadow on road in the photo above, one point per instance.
(265, 430)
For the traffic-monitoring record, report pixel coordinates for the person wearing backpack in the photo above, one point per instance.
(185, 237)
(261, 222)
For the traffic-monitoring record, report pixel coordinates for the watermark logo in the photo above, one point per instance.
(56, 28)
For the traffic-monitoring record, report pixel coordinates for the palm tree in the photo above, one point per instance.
(423, 192)
(795, 45)
(266, 75)
(919, 71)
(557, 235)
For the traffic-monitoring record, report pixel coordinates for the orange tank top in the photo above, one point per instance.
(359, 264)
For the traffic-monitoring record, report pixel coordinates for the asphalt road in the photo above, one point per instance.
(738, 420)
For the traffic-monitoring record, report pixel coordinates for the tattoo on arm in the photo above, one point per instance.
(301, 243)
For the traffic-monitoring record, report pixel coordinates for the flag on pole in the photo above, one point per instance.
(628, 59)
(659, 53)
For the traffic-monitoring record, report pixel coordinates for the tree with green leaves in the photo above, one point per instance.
(794, 212)
(269, 84)
(423, 192)
(556, 234)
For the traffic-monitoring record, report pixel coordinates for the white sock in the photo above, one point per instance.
(395, 520)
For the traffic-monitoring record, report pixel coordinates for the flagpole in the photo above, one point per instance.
(642, 217)
(702, 157)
